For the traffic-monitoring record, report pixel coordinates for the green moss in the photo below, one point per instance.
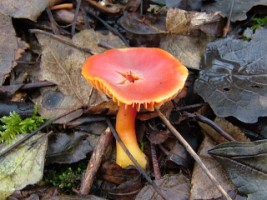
(13, 125)
(259, 22)
(65, 178)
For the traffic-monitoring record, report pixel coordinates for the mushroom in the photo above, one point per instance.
(134, 78)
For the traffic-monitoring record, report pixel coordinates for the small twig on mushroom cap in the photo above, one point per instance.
(193, 154)
(138, 167)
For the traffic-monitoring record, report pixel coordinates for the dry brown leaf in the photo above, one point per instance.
(11, 47)
(183, 22)
(61, 64)
(29, 9)
(202, 187)
(188, 49)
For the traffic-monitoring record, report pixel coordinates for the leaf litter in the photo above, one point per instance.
(202, 187)
(61, 64)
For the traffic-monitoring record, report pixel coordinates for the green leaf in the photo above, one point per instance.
(246, 165)
(22, 166)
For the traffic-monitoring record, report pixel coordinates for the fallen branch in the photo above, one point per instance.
(94, 163)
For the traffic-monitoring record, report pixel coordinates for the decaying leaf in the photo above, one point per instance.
(234, 79)
(68, 148)
(240, 8)
(175, 187)
(113, 173)
(61, 64)
(11, 46)
(22, 166)
(188, 49)
(127, 181)
(246, 165)
(202, 186)
(183, 22)
(29, 9)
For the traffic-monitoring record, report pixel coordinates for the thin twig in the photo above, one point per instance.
(73, 27)
(212, 124)
(182, 108)
(138, 167)
(28, 136)
(60, 39)
(155, 162)
(94, 163)
(113, 30)
(105, 45)
(53, 22)
(193, 154)
(226, 29)
(40, 84)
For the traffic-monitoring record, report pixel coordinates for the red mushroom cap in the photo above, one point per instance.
(136, 76)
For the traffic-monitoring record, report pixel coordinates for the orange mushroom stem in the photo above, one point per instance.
(125, 126)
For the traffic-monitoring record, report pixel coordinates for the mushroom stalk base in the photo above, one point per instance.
(125, 126)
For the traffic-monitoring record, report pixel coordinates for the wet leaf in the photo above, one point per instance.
(240, 9)
(68, 148)
(246, 165)
(11, 46)
(22, 166)
(175, 187)
(234, 79)
(29, 9)
(61, 64)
